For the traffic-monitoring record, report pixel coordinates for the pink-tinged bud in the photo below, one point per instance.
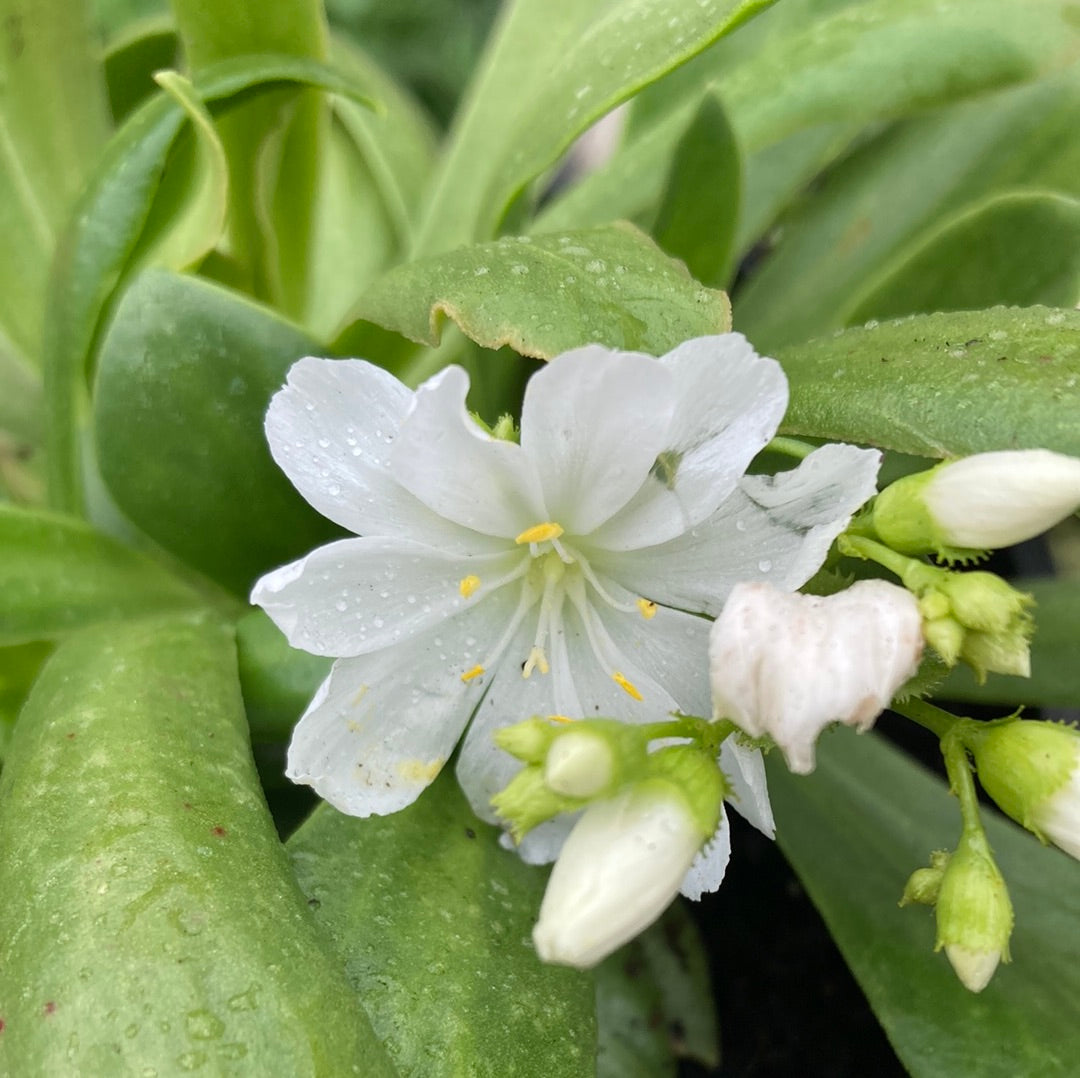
(787, 665)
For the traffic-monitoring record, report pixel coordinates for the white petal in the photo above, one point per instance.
(462, 473)
(707, 872)
(994, 500)
(788, 665)
(592, 424)
(330, 431)
(543, 843)
(359, 595)
(1059, 815)
(745, 770)
(729, 403)
(771, 528)
(382, 725)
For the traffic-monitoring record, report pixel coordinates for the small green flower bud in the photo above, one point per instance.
(528, 801)
(924, 885)
(1002, 653)
(974, 914)
(986, 603)
(528, 741)
(579, 764)
(946, 637)
(1032, 771)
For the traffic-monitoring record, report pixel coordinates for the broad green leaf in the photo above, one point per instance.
(800, 66)
(854, 831)
(53, 123)
(19, 666)
(132, 56)
(57, 574)
(275, 145)
(148, 917)
(700, 206)
(544, 294)
(98, 248)
(433, 921)
(185, 375)
(893, 195)
(1020, 248)
(551, 69)
(943, 384)
(1055, 676)
(654, 1003)
(277, 681)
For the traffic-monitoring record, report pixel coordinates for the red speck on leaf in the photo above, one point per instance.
(2, 1025)
(187, 805)
(50, 1007)
(219, 831)
(71, 736)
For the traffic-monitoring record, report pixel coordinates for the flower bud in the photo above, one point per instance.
(620, 867)
(924, 884)
(1032, 771)
(974, 914)
(787, 665)
(982, 502)
(579, 764)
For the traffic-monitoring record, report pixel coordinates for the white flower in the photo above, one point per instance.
(558, 576)
(622, 864)
(982, 502)
(788, 665)
(1059, 816)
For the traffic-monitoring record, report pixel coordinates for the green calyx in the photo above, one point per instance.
(974, 911)
(901, 519)
(1021, 763)
(697, 775)
(924, 884)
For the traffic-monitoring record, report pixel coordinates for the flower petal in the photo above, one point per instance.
(443, 457)
(543, 843)
(708, 868)
(356, 596)
(330, 431)
(592, 424)
(744, 768)
(776, 528)
(730, 401)
(382, 725)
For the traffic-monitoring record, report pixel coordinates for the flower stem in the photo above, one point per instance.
(927, 716)
(962, 784)
(791, 447)
(859, 546)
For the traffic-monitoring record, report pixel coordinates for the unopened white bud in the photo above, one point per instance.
(787, 665)
(578, 764)
(618, 870)
(982, 502)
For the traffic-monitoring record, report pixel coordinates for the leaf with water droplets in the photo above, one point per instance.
(545, 294)
(943, 384)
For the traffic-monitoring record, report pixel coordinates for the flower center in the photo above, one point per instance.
(552, 572)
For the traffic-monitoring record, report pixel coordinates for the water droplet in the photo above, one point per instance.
(378, 622)
(480, 271)
(740, 525)
(519, 270)
(204, 1025)
(189, 1061)
(341, 606)
(764, 565)
(411, 599)
(324, 443)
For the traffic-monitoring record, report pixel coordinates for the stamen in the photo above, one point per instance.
(468, 585)
(647, 608)
(476, 671)
(540, 533)
(536, 660)
(561, 718)
(627, 686)
(590, 576)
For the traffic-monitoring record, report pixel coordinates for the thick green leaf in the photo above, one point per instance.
(433, 921)
(1018, 248)
(630, 1039)
(855, 830)
(98, 248)
(544, 294)
(185, 374)
(19, 666)
(131, 58)
(552, 68)
(277, 681)
(58, 574)
(700, 206)
(1055, 673)
(53, 122)
(148, 917)
(943, 384)
(801, 65)
(891, 197)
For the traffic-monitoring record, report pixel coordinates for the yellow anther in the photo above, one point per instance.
(560, 718)
(476, 671)
(626, 685)
(537, 660)
(647, 608)
(540, 533)
(468, 585)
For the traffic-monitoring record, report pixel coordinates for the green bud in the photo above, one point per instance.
(984, 602)
(528, 801)
(697, 775)
(1032, 771)
(924, 885)
(579, 763)
(974, 914)
(946, 637)
(528, 741)
(1002, 653)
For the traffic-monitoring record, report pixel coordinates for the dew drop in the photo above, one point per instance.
(764, 565)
